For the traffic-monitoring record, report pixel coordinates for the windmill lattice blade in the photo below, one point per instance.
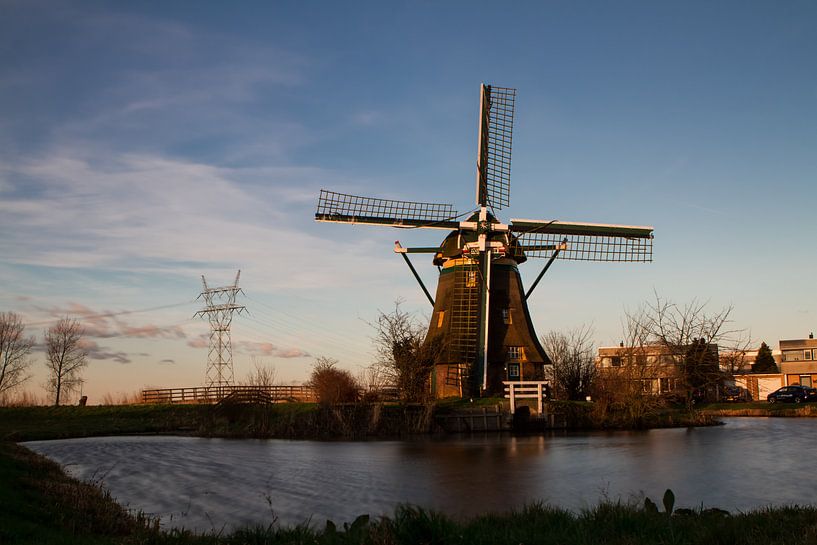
(495, 149)
(588, 247)
(585, 241)
(340, 207)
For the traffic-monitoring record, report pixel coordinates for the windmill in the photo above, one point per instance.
(480, 308)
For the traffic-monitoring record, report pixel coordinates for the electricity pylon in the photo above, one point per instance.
(220, 306)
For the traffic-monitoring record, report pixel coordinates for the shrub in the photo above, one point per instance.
(333, 385)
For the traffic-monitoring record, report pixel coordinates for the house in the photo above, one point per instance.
(739, 363)
(799, 361)
(657, 367)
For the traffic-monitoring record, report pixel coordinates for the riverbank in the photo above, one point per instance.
(307, 420)
(283, 421)
(760, 408)
(40, 504)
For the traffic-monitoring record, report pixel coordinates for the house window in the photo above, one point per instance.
(646, 386)
(440, 318)
(515, 352)
(615, 361)
(807, 354)
(793, 355)
(513, 371)
(663, 385)
(805, 380)
(471, 279)
(506, 316)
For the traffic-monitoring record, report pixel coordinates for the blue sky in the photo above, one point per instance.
(143, 144)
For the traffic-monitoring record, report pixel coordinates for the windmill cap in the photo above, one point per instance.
(452, 246)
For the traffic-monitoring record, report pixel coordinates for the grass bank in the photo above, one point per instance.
(760, 408)
(286, 420)
(33, 423)
(311, 421)
(40, 504)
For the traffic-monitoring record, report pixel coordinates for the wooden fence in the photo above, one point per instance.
(215, 394)
(526, 390)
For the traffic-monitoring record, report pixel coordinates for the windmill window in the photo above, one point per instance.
(471, 279)
(516, 352)
(440, 318)
(506, 316)
(513, 371)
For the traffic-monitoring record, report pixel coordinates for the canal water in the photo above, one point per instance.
(207, 484)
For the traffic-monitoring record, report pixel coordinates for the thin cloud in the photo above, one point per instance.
(199, 342)
(96, 352)
(107, 324)
(269, 349)
(120, 214)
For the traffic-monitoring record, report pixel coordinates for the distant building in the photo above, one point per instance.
(657, 368)
(756, 385)
(799, 361)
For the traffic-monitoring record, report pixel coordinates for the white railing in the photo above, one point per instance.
(526, 390)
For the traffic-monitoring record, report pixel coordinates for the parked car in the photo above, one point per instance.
(792, 394)
(734, 394)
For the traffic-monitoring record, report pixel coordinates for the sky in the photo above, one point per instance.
(145, 144)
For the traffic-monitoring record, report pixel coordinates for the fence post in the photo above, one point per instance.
(539, 398)
(513, 399)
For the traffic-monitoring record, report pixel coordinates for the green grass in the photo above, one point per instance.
(759, 408)
(32, 423)
(285, 420)
(40, 504)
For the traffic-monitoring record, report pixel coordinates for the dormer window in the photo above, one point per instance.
(516, 353)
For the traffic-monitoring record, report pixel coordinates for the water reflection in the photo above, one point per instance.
(209, 483)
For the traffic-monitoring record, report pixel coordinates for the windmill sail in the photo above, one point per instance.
(343, 208)
(495, 138)
(584, 241)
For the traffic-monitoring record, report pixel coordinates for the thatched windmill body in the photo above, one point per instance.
(480, 309)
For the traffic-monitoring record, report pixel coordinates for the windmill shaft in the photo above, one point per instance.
(481, 364)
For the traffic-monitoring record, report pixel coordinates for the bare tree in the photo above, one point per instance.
(404, 358)
(15, 349)
(261, 375)
(691, 336)
(573, 357)
(624, 391)
(65, 357)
